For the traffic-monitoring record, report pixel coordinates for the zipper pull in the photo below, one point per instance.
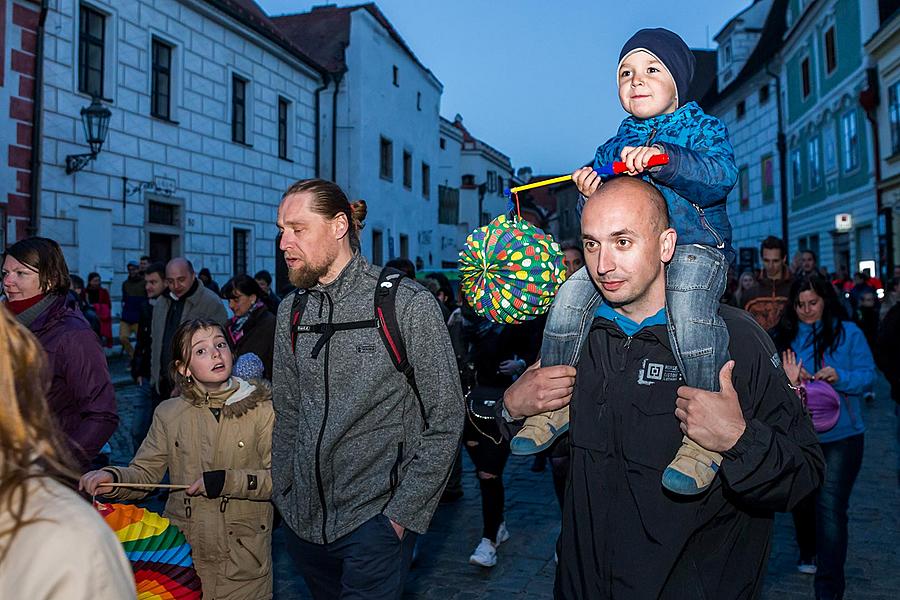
(625, 353)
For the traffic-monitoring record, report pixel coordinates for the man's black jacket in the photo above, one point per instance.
(622, 535)
(140, 361)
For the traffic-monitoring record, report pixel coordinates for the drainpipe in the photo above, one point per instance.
(34, 220)
(782, 158)
(338, 77)
(318, 138)
(868, 99)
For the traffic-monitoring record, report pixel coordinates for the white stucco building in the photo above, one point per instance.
(213, 116)
(474, 176)
(745, 98)
(384, 124)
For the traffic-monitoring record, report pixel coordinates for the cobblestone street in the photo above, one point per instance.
(525, 567)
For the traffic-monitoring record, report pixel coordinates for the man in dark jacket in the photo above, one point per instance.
(766, 300)
(359, 456)
(186, 298)
(133, 298)
(622, 535)
(155, 286)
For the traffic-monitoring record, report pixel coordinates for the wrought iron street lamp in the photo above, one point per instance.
(96, 125)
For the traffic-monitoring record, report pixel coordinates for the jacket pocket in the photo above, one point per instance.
(249, 551)
(363, 467)
(654, 437)
(589, 429)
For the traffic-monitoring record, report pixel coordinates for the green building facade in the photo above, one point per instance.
(829, 142)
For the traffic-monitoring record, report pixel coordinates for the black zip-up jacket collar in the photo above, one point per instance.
(622, 535)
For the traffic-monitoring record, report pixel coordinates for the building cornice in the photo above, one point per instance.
(878, 45)
(215, 12)
(804, 22)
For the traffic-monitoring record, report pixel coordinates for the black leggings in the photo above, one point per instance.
(490, 458)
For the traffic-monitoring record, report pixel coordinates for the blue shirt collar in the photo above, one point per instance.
(628, 326)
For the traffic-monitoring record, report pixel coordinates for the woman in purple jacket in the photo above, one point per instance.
(80, 394)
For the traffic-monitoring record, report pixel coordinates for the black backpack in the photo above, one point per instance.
(385, 321)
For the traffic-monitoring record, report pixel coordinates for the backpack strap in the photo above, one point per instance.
(385, 321)
(325, 330)
(301, 298)
(389, 328)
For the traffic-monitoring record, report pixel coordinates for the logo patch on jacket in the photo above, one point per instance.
(365, 349)
(651, 372)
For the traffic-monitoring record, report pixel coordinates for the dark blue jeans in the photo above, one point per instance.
(822, 522)
(370, 563)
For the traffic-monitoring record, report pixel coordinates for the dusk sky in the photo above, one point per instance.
(534, 78)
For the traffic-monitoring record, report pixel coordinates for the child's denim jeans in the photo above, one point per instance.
(695, 280)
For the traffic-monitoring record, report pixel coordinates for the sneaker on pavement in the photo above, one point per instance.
(485, 554)
(502, 533)
(807, 566)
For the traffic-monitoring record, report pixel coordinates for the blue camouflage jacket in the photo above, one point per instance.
(700, 173)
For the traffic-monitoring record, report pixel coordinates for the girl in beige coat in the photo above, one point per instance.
(217, 437)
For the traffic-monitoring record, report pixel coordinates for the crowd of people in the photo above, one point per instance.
(679, 408)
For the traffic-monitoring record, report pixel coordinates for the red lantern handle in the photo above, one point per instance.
(655, 161)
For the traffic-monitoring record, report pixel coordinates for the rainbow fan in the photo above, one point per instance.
(510, 270)
(159, 553)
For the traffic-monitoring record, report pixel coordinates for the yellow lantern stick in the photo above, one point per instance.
(537, 184)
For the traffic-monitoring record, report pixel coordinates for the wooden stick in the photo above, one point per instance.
(168, 486)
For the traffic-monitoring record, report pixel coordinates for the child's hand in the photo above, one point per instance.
(586, 180)
(637, 157)
(92, 481)
(197, 488)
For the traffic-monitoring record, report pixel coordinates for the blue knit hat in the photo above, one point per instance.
(670, 50)
(248, 366)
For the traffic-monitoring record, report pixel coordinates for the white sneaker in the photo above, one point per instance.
(807, 567)
(502, 533)
(485, 554)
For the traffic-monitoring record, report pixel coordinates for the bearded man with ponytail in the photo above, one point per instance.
(367, 416)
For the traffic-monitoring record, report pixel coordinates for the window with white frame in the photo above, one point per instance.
(805, 77)
(407, 169)
(894, 115)
(91, 51)
(850, 139)
(830, 51)
(161, 81)
(284, 120)
(240, 251)
(796, 172)
(814, 148)
(386, 159)
(239, 88)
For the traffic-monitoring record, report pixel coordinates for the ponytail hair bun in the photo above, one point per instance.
(358, 212)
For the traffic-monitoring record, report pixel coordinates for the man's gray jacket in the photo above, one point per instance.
(202, 304)
(349, 439)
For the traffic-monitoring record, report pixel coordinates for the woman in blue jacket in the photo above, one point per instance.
(828, 347)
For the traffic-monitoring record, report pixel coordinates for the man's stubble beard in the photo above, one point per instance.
(308, 275)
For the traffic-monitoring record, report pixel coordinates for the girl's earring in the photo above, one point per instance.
(190, 379)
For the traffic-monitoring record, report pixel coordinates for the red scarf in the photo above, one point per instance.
(17, 307)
